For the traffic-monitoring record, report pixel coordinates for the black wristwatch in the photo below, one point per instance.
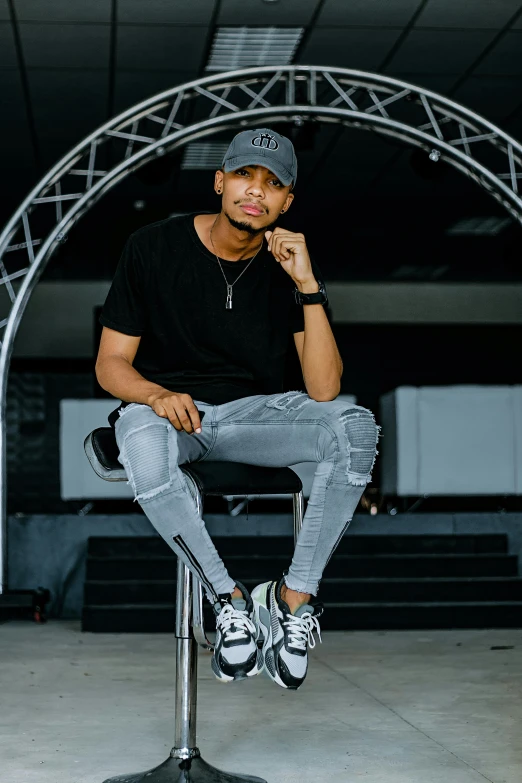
(320, 297)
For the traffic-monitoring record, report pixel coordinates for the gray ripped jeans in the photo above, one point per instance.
(274, 430)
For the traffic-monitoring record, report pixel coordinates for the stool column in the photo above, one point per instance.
(185, 699)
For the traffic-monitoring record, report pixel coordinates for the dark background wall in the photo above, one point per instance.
(376, 358)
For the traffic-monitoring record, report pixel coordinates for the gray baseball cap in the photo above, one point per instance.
(263, 147)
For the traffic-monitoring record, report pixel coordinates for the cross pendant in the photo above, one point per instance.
(229, 298)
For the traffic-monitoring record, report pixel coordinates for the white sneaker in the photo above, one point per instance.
(236, 654)
(287, 636)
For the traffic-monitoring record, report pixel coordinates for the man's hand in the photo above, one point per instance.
(178, 408)
(290, 251)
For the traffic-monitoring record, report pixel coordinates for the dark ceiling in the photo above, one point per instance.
(371, 211)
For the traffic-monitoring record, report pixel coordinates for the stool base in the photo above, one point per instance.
(184, 771)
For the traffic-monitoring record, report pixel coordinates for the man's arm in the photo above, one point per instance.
(321, 362)
(116, 375)
(115, 372)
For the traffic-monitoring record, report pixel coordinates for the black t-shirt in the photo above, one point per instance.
(169, 289)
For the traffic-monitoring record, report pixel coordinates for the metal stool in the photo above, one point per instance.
(185, 764)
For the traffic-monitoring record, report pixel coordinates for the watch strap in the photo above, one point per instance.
(319, 297)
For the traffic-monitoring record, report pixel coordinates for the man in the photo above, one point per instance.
(197, 322)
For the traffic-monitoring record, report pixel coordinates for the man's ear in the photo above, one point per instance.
(218, 181)
(288, 201)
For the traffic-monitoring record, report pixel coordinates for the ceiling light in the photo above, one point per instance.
(204, 155)
(241, 47)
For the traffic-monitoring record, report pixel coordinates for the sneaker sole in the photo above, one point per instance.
(240, 675)
(262, 597)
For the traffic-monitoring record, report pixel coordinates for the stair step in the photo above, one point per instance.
(257, 567)
(108, 546)
(442, 589)
(159, 618)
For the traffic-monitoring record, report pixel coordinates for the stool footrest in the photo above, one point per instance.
(194, 770)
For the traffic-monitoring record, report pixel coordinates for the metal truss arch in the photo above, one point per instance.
(173, 118)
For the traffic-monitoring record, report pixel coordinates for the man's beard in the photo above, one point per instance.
(241, 226)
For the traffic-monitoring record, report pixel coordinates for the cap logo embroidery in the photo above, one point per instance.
(266, 141)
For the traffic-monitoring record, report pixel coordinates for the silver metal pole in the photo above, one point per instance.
(3, 488)
(185, 699)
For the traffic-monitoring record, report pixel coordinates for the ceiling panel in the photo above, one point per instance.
(436, 82)
(491, 14)
(161, 48)
(7, 47)
(347, 47)
(493, 97)
(375, 13)
(4, 10)
(65, 45)
(16, 144)
(19, 172)
(439, 51)
(514, 126)
(258, 12)
(134, 86)
(13, 106)
(68, 104)
(64, 10)
(165, 11)
(506, 57)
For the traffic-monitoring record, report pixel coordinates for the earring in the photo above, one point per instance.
(219, 192)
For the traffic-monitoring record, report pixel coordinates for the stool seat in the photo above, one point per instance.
(106, 449)
(236, 478)
(211, 478)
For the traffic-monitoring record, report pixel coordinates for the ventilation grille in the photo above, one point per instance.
(241, 47)
(204, 155)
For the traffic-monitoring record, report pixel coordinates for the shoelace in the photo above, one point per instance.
(229, 616)
(301, 630)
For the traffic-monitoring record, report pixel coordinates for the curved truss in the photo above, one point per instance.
(171, 119)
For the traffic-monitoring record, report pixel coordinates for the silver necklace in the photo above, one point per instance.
(228, 305)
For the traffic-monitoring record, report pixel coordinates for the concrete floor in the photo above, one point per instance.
(394, 707)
